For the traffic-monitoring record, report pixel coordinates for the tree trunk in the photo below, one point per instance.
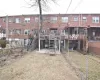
(40, 14)
(40, 22)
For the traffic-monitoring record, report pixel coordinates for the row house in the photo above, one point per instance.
(73, 27)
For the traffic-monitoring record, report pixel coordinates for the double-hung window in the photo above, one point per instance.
(75, 18)
(95, 19)
(53, 19)
(64, 19)
(27, 20)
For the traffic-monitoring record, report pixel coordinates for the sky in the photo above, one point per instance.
(19, 7)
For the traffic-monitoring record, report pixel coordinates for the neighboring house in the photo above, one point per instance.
(73, 27)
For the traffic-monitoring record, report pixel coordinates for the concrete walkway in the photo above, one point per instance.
(35, 66)
(48, 51)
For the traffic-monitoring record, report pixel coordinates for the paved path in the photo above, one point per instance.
(34, 66)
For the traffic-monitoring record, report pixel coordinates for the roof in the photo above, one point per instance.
(53, 14)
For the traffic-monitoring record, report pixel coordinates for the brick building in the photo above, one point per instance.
(76, 28)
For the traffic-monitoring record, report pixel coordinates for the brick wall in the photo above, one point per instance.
(94, 47)
(48, 23)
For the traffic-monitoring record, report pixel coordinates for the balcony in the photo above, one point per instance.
(75, 37)
(2, 35)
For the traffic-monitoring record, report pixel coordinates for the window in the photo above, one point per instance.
(10, 20)
(18, 31)
(75, 18)
(53, 19)
(26, 32)
(15, 31)
(43, 31)
(3, 31)
(27, 20)
(35, 31)
(17, 20)
(62, 31)
(95, 19)
(64, 19)
(4, 19)
(36, 19)
(11, 32)
(84, 19)
(45, 19)
(53, 30)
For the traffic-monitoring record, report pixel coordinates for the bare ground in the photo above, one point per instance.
(8, 56)
(35, 66)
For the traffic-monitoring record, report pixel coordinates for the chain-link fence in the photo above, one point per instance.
(87, 66)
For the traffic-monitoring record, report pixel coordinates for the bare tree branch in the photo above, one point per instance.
(43, 5)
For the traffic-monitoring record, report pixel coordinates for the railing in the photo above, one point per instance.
(64, 35)
(94, 38)
(48, 32)
(2, 35)
(51, 34)
(74, 37)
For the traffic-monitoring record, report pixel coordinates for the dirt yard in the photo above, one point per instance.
(35, 66)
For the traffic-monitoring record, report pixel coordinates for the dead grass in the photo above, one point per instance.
(35, 66)
(5, 52)
(81, 61)
(7, 56)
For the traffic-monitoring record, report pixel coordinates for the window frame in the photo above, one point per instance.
(26, 31)
(76, 18)
(53, 19)
(17, 20)
(64, 19)
(36, 19)
(95, 19)
(27, 20)
(84, 18)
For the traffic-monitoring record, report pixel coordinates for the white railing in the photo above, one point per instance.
(74, 36)
(2, 35)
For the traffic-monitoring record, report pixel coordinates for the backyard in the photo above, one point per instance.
(38, 66)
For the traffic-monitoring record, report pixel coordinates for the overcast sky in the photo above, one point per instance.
(17, 7)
